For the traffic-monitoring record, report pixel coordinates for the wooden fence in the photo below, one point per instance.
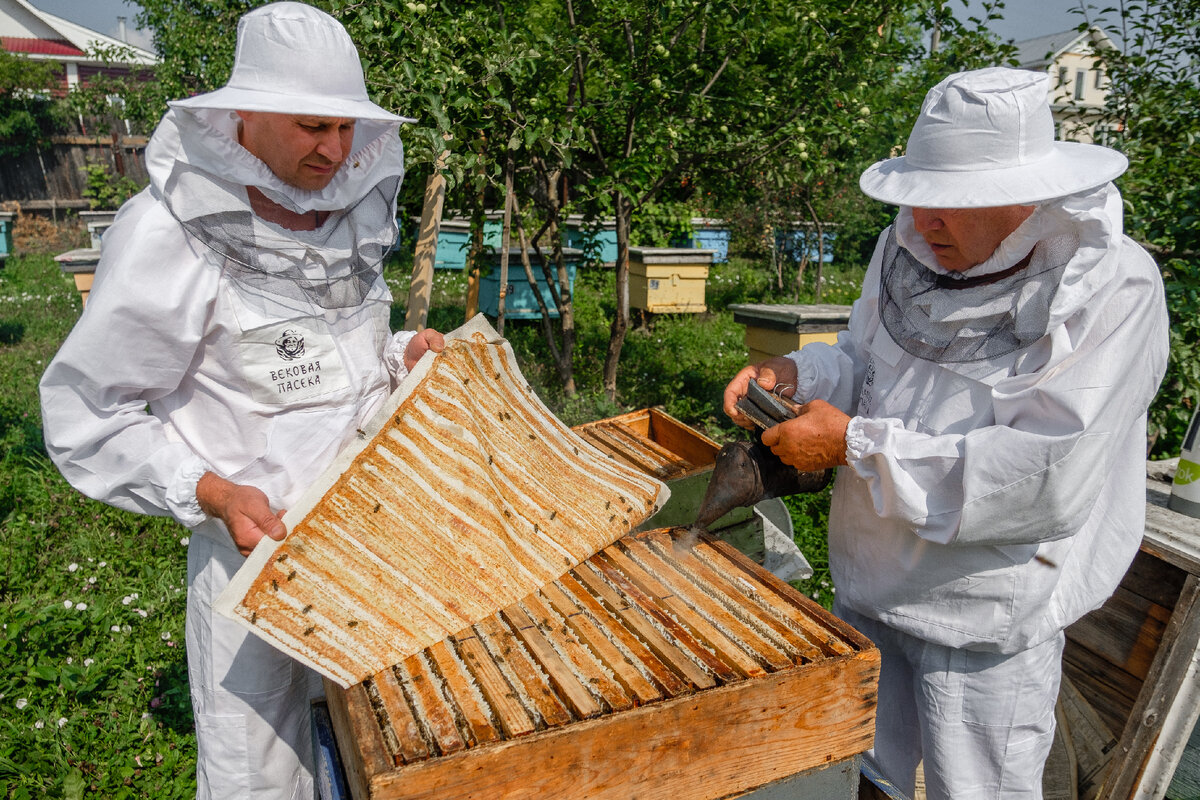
(53, 178)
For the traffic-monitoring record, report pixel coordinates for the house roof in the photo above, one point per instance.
(38, 34)
(1041, 51)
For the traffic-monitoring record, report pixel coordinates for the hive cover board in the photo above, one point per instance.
(462, 496)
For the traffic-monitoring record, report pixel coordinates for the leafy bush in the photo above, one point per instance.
(104, 189)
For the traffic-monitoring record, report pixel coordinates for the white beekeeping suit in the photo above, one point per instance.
(215, 341)
(994, 487)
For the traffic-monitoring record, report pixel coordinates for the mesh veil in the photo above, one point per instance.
(331, 267)
(939, 318)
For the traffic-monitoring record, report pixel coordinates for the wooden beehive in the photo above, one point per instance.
(659, 668)
(668, 280)
(776, 330)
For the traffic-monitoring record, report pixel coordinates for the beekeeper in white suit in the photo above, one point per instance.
(240, 299)
(987, 406)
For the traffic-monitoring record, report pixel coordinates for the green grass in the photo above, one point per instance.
(93, 681)
(93, 685)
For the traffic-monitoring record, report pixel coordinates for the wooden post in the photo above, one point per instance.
(421, 288)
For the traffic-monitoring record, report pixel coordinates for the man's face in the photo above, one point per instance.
(962, 238)
(302, 150)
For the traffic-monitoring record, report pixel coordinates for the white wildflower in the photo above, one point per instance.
(103, 564)
(127, 599)
(166, 635)
(68, 603)
(72, 567)
(81, 606)
(141, 612)
(22, 702)
(185, 540)
(39, 724)
(115, 629)
(62, 721)
(92, 579)
(87, 662)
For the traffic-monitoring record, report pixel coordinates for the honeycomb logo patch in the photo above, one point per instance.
(290, 346)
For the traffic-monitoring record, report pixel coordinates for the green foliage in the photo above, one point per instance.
(106, 190)
(28, 113)
(1154, 117)
(92, 673)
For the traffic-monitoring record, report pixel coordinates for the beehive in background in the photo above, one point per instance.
(668, 280)
(466, 495)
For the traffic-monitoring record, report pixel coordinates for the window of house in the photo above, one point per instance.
(1099, 79)
(1080, 82)
(1062, 76)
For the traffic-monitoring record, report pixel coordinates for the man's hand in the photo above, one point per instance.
(245, 511)
(814, 440)
(428, 339)
(768, 373)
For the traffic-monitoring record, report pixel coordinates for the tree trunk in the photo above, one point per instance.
(816, 219)
(620, 322)
(504, 240)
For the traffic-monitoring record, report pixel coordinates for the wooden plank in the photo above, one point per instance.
(407, 742)
(833, 636)
(586, 630)
(670, 652)
(711, 744)
(742, 592)
(729, 651)
(1092, 741)
(464, 694)
(1154, 579)
(1111, 690)
(587, 668)
(416, 676)
(701, 598)
(509, 652)
(688, 443)
(561, 676)
(1126, 630)
(360, 744)
(650, 604)
(589, 436)
(1166, 675)
(644, 454)
(510, 714)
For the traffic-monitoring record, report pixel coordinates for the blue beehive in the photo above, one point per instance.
(707, 234)
(596, 240)
(795, 243)
(519, 299)
(454, 240)
(6, 235)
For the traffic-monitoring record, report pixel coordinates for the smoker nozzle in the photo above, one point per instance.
(747, 472)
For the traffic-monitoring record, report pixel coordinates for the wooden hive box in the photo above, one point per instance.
(1131, 663)
(653, 670)
(779, 329)
(668, 280)
(656, 443)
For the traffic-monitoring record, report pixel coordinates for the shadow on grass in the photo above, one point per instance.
(11, 332)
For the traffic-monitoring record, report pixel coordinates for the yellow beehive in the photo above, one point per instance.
(776, 330)
(668, 280)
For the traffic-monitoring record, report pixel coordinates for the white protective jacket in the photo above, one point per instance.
(988, 504)
(175, 369)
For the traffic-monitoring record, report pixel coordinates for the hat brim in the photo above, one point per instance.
(234, 99)
(1071, 167)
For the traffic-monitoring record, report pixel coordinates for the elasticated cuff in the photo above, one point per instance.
(857, 441)
(393, 356)
(181, 494)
